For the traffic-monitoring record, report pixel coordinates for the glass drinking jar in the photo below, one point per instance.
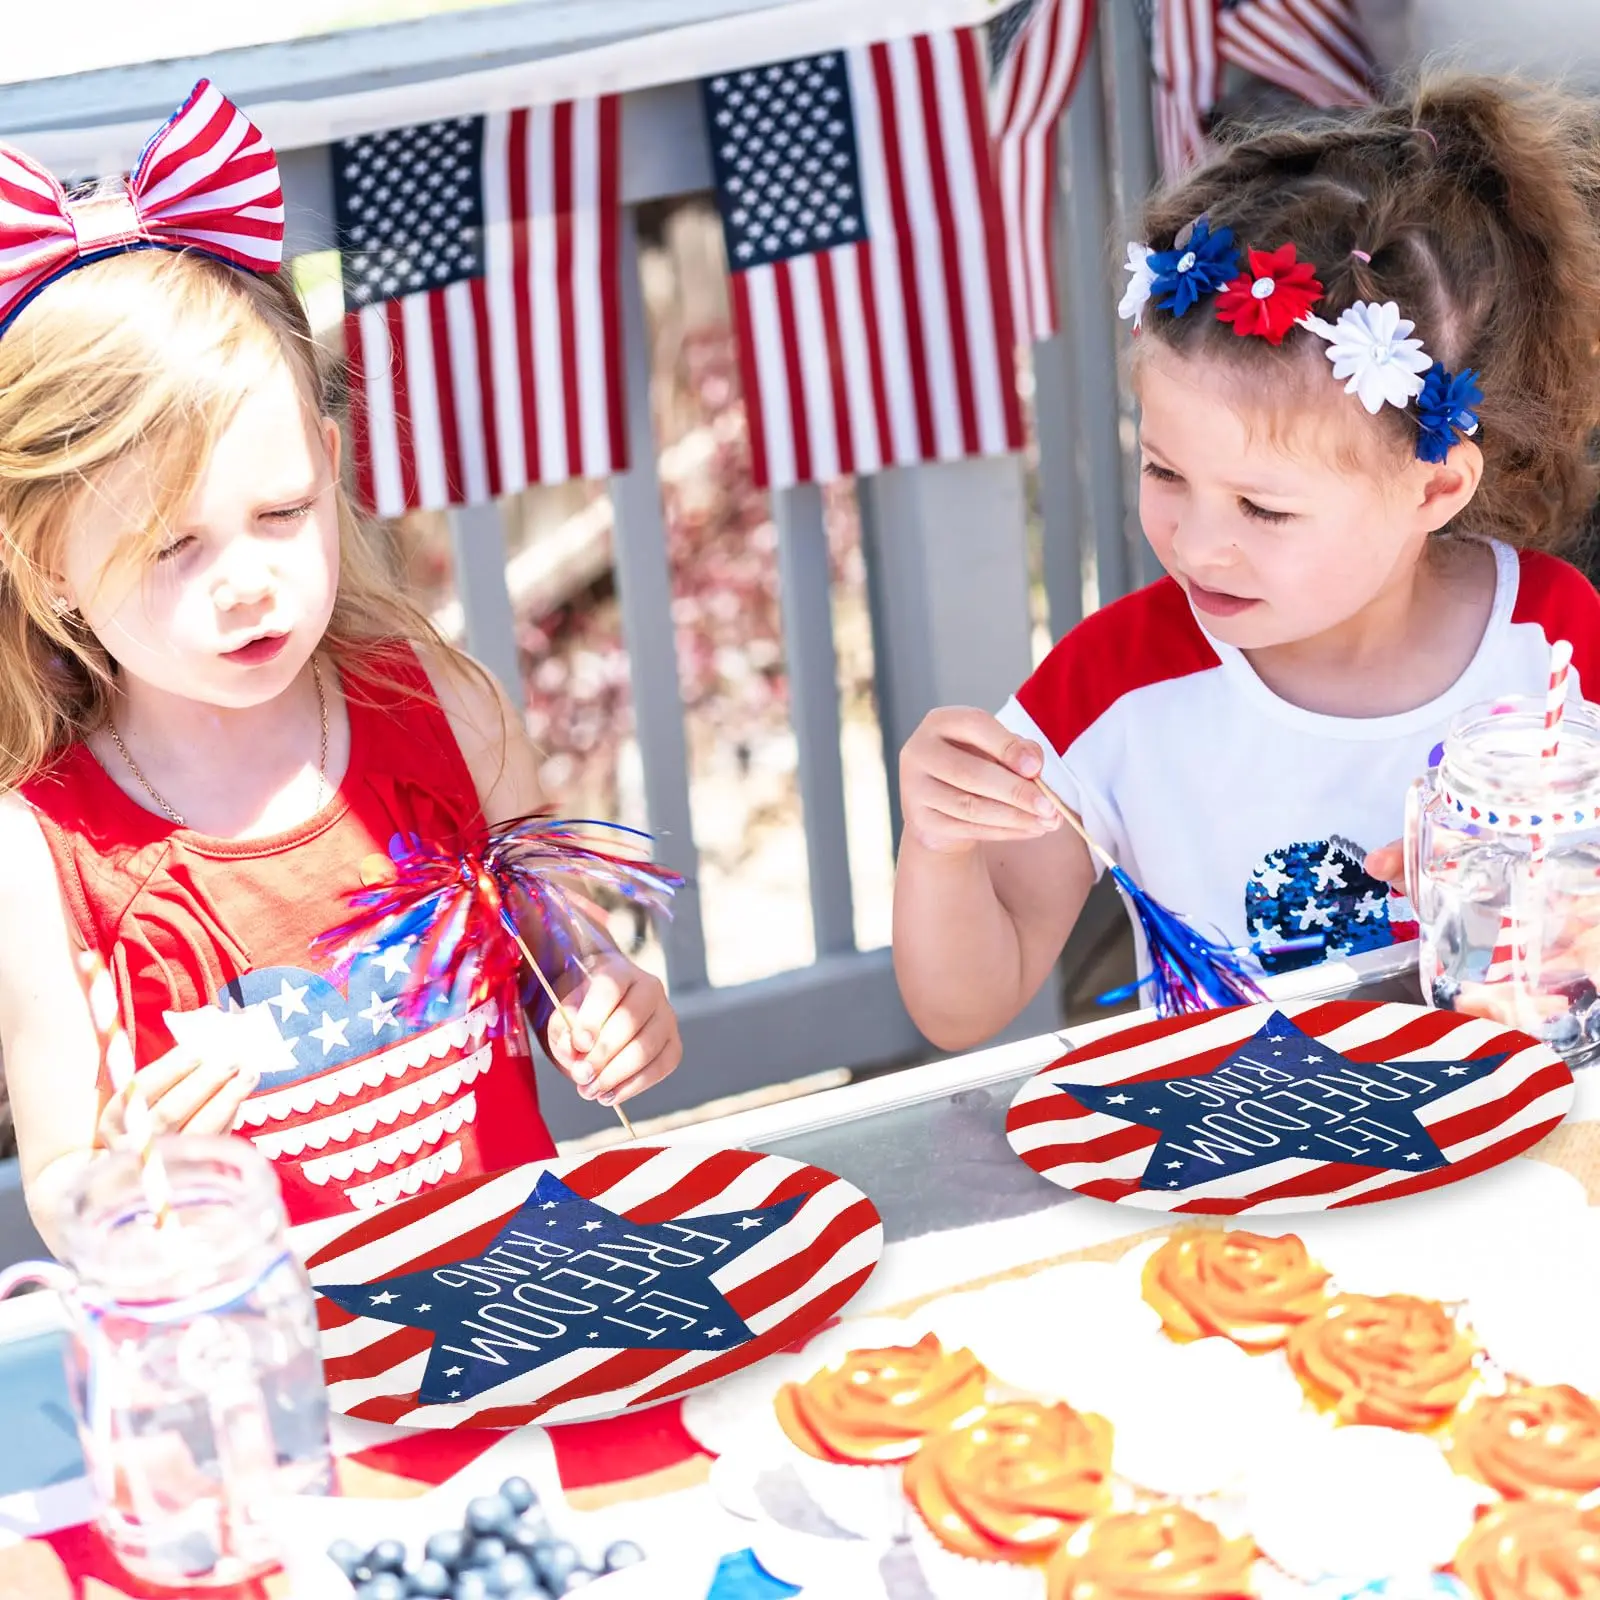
(1503, 867)
(192, 1360)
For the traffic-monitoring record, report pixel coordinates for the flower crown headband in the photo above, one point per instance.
(1370, 344)
(207, 181)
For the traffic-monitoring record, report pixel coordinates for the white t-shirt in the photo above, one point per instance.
(1245, 813)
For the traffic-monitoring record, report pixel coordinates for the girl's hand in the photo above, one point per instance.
(623, 1034)
(185, 1093)
(966, 780)
(1388, 865)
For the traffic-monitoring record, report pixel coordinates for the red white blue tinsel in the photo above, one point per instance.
(462, 912)
(1188, 972)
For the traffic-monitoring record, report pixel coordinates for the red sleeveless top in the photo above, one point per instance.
(361, 1101)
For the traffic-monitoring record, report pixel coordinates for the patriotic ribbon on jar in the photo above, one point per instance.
(206, 181)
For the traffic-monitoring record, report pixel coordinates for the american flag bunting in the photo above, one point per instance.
(480, 261)
(870, 288)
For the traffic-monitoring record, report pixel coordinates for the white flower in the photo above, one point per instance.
(1371, 346)
(1141, 281)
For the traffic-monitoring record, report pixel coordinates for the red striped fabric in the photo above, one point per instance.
(792, 1282)
(1313, 48)
(1035, 81)
(512, 376)
(1476, 1127)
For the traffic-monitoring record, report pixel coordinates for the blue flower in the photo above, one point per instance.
(1446, 410)
(1202, 266)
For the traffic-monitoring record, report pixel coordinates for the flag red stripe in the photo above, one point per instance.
(843, 442)
(360, 426)
(910, 290)
(697, 1188)
(486, 391)
(794, 373)
(955, 288)
(197, 143)
(1103, 1147)
(567, 319)
(610, 205)
(404, 442)
(521, 295)
(875, 363)
(750, 375)
(443, 371)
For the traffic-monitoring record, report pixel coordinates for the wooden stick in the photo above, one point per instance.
(561, 1011)
(1072, 821)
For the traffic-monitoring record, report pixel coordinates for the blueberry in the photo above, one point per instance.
(487, 1551)
(489, 1513)
(518, 1494)
(555, 1562)
(624, 1553)
(448, 1548)
(472, 1586)
(529, 1532)
(388, 1555)
(1445, 992)
(346, 1557)
(386, 1586)
(511, 1575)
(1564, 1033)
(431, 1578)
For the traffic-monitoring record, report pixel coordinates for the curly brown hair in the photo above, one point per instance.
(1474, 205)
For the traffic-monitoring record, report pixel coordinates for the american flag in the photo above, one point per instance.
(864, 235)
(1313, 48)
(1036, 52)
(788, 1284)
(482, 303)
(1493, 1117)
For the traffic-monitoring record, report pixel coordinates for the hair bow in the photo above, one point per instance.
(207, 181)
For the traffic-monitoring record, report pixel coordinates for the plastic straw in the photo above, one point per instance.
(116, 1050)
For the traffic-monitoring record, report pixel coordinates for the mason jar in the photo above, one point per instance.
(192, 1358)
(1503, 867)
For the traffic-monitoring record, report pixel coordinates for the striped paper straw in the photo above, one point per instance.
(1529, 949)
(117, 1051)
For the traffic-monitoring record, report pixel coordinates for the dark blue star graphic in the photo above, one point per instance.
(565, 1274)
(1284, 1095)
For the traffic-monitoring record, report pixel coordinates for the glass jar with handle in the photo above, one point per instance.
(193, 1360)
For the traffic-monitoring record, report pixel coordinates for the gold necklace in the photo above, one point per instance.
(322, 758)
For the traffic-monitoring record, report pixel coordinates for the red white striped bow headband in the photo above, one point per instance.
(207, 181)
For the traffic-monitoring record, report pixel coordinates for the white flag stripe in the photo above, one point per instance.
(666, 1169)
(464, 376)
(427, 439)
(499, 279)
(816, 369)
(588, 331)
(776, 401)
(844, 272)
(1067, 1130)
(539, 157)
(883, 255)
(377, 360)
(1011, 175)
(1501, 1085)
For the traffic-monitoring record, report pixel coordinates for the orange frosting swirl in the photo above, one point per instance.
(1014, 1483)
(1532, 1550)
(1542, 1440)
(1152, 1555)
(1393, 1360)
(1248, 1288)
(878, 1405)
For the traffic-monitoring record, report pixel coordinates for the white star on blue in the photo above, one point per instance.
(1282, 1095)
(565, 1274)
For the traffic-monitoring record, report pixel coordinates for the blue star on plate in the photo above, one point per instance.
(1284, 1095)
(563, 1275)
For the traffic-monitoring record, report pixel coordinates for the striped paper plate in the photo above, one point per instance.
(579, 1288)
(1282, 1108)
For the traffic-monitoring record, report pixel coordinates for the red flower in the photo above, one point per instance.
(1272, 296)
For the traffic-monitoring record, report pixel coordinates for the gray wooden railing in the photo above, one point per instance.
(946, 547)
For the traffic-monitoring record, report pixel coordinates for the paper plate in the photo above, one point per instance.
(579, 1288)
(1302, 1107)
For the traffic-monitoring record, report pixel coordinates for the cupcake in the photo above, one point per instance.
(1243, 1286)
(1538, 1442)
(995, 1497)
(1152, 1555)
(1393, 1361)
(1532, 1550)
(853, 1423)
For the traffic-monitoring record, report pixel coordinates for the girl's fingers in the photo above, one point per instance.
(978, 778)
(647, 1058)
(987, 814)
(174, 1110)
(1388, 865)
